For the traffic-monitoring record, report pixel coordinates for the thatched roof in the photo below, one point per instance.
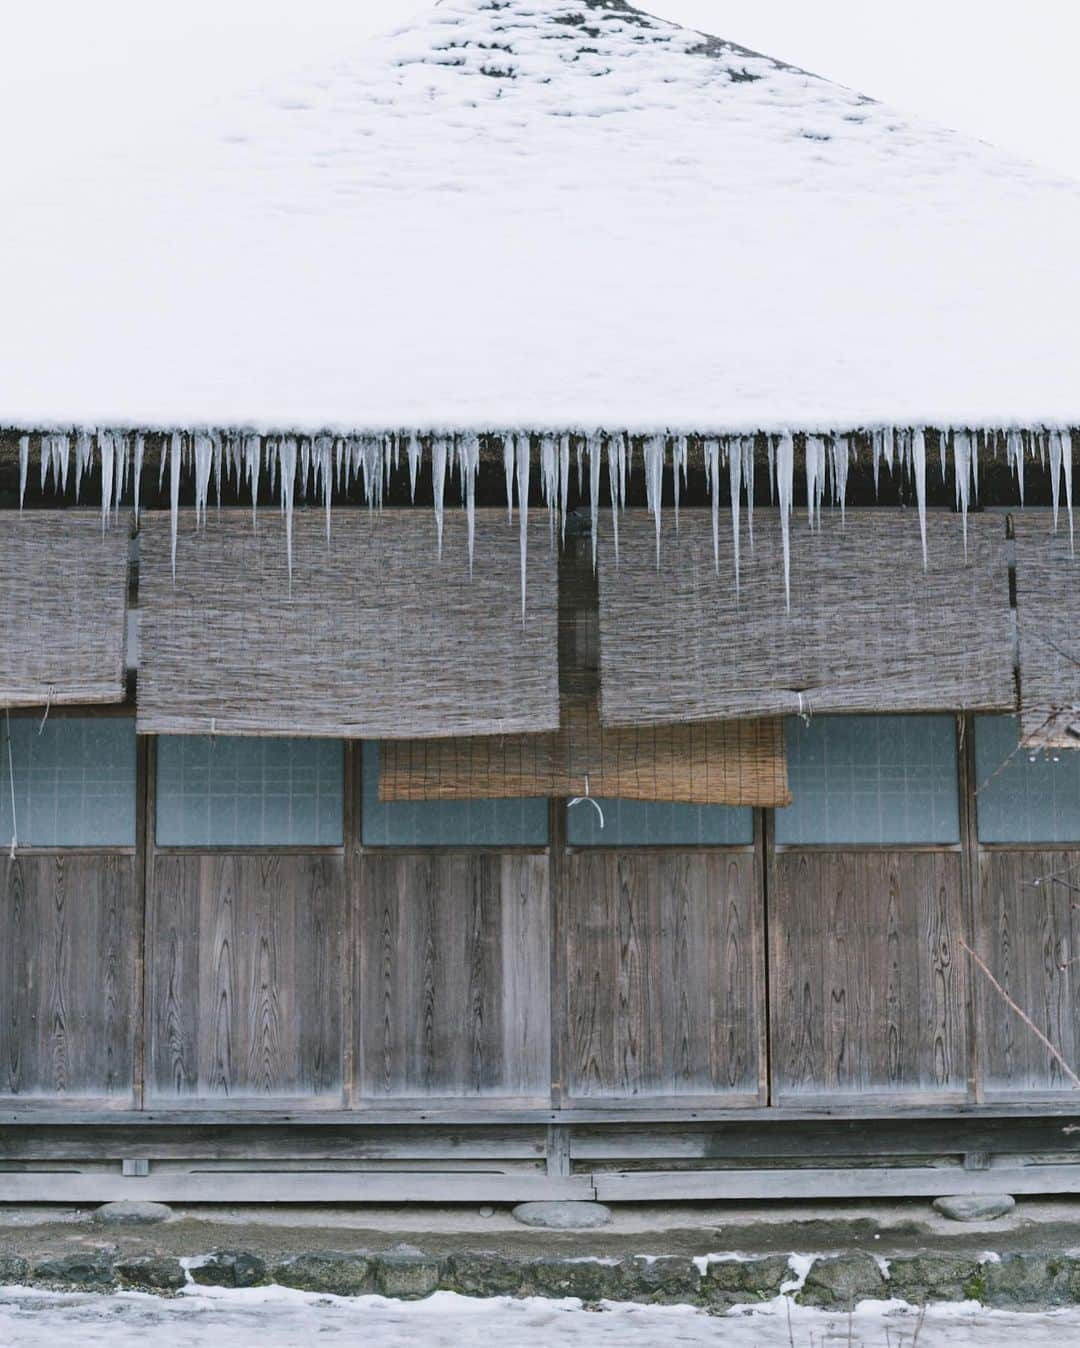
(547, 214)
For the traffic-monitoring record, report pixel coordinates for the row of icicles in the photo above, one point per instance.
(317, 466)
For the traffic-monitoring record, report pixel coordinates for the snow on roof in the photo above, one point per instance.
(545, 214)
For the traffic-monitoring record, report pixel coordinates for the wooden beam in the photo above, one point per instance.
(855, 1182)
(171, 1186)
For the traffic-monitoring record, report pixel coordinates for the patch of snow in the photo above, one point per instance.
(542, 213)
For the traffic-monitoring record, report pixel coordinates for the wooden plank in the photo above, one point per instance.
(454, 976)
(854, 1182)
(869, 984)
(244, 1143)
(1029, 936)
(664, 977)
(403, 1186)
(245, 978)
(68, 976)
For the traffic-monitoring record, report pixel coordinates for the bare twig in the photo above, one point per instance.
(918, 1325)
(1023, 1016)
(790, 1331)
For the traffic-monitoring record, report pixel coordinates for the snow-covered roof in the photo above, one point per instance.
(547, 214)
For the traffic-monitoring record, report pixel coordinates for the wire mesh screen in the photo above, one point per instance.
(374, 635)
(868, 629)
(1048, 616)
(63, 582)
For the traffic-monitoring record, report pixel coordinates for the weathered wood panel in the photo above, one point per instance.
(868, 979)
(665, 983)
(245, 959)
(454, 976)
(68, 935)
(1029, 937)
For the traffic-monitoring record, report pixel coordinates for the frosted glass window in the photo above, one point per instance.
(447, 823)
(232, 791)
(658, 823)
(74, 781)
(1019, 797)
(871, 779)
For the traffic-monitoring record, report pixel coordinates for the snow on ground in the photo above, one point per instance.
(544, 213)
(279, 1319)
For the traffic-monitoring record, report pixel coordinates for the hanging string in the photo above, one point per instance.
(48, 704)
(11, 783)
(588, 799)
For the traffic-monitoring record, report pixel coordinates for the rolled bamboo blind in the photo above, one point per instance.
(63, 582)
(1048, 617)
(709, 763)
(868, 629)
(375, 637)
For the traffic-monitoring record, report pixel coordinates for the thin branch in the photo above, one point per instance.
(1023, 1016)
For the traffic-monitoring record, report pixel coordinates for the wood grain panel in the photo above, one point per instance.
(868, 980)
(453, 994)
(68, 932)
(1029, 936)
(665, 987)
(245, 958)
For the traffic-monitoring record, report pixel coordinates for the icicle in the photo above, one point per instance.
(215, 443)
(1014, 451)
(140, 450)
(509, 459)
(771, 452)
(106, 452)
(564, 481)
(175, 446)
(841, 457)
(203, 448)
(747, 450)
(712, 480)
(523, 448)
(678, 472)
(613, 486)
(438, 485)
(549, 481)
(962, 467)
(975, 465)
(470, 467)
(815, 477)
(877, 441)
(412, 453)
(593, 446)
(286, 453)
(655, 453)
(324, 479)
(918, 459)
(625, 455)
(1055, 473)
(785, 491)
(734, 453)
(83, 455)
(24, 466)
(1067, 464)
(580, 468)
(943, 453)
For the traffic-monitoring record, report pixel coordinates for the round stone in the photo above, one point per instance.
(568, 1216)
(129, 1212)
(975, 1207)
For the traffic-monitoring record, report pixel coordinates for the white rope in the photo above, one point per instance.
(11, 782)
(48, 704)
(587, 799)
